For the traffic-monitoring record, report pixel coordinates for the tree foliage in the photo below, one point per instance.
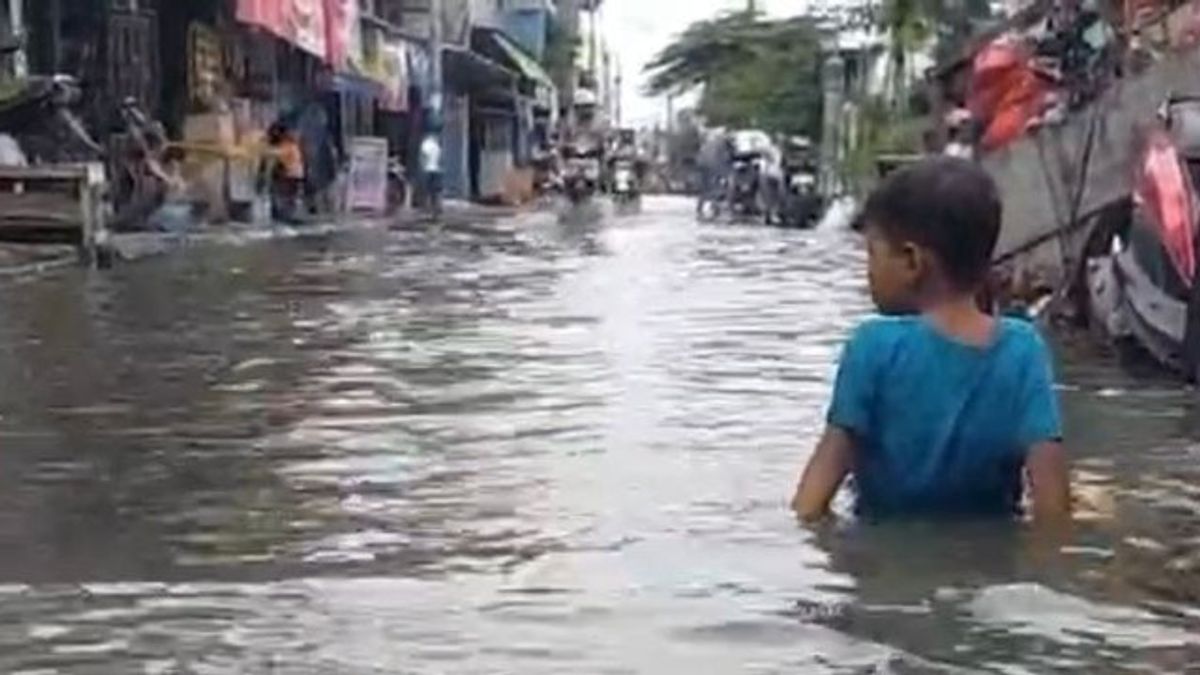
(752, 72)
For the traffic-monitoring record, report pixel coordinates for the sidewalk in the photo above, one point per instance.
(115, 248)
(132, 246)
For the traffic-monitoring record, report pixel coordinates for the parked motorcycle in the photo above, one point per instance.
(397, 186)
(39, 115)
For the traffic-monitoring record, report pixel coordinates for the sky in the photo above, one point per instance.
(637, 29)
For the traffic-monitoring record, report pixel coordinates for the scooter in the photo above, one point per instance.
(801, 203)
(39, 115)
(581, 179)
(626, 189)
(745, 189)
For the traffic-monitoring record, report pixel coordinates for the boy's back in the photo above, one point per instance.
(941, 409)
(942, 426)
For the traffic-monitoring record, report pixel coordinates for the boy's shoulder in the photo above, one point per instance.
(881, 332)
(882, 328)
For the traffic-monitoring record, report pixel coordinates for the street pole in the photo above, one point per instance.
(592, 55)
(570, 12)
(435, 113)
(16, 19)
(56, 35)
(618, 94)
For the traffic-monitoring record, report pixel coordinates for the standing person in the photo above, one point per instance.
(431, 167)
(321, 157)
(285, 173)
(939, 409)
(960, 141)
(716, 157)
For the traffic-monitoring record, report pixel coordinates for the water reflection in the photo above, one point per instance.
(528, 446)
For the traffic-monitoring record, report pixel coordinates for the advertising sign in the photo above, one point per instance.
(368, 174)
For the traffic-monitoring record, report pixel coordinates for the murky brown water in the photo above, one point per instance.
(528, 448)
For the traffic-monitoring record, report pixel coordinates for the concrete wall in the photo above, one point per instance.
(1038, 174)
(486, 13)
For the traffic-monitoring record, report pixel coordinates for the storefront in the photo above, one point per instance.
(111, 46)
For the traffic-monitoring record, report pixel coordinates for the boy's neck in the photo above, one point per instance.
(958, 317)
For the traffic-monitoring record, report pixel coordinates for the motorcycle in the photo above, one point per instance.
(581, 178)
(745, 187)
(801, 203)
(397, 186)
(626, 189)
(39, 115)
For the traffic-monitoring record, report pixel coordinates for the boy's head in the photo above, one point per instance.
(931, 231)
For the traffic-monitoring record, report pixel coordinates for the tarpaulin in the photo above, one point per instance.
(300, 22)
(307, 23)
(1164, 190)
(344, 33)
(268, 14)
(1006, 93)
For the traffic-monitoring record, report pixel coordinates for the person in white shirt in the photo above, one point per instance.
(431, 167)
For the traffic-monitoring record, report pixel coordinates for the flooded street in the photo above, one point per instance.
(530, 447)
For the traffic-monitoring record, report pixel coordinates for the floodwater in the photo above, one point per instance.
(530, 447)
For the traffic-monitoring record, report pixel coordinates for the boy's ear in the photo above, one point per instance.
(913, 256)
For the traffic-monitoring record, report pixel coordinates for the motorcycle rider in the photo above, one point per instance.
(715, 163)
(626, 151)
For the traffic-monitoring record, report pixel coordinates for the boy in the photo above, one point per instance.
(938, 407)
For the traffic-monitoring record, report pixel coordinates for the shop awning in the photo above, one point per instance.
(498, 46)
(356, 84)
(468, 70)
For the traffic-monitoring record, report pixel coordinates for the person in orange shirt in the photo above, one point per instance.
(286, 173)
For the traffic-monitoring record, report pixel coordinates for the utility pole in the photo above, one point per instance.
(752, 6)
(435, 113)
(16, 19)
(570, 11)
(593, 56)
(435, 60)
(618, 94)
(56, 35)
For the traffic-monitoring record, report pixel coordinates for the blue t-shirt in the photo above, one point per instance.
(942, 427)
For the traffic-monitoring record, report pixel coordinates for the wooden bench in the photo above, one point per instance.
(53, 204)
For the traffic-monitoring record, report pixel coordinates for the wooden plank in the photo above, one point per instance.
(54, 172)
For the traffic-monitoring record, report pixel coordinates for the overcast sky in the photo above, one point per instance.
(638, 29)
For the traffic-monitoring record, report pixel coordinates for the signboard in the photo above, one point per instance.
(204, 64)
(367, 189)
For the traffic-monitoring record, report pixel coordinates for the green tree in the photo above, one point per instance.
(911, 25)
(752, 72)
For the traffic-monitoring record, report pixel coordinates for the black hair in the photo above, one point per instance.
(947, 205)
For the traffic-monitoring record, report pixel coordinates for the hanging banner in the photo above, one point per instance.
(307, 25)
(344, 33)
(368, 174)
(395, 82)
(268, 14)
(300, 22)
